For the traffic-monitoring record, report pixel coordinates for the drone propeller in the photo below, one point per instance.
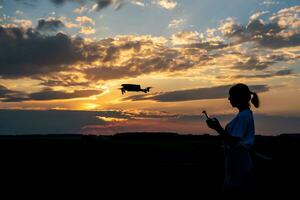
(122, 90)
(147, 89)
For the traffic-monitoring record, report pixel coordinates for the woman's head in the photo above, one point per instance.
(240, 95)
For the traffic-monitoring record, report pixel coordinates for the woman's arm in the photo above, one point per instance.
(215, 124)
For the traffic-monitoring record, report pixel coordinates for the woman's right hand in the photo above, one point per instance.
(213, 123)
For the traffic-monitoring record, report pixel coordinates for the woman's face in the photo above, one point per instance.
(233, 100)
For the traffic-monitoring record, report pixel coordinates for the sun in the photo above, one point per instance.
(90, 106)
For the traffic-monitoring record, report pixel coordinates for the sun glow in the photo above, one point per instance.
(90, 106)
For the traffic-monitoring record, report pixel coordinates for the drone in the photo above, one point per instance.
(133, 88)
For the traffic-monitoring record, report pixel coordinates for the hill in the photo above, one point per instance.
(141, 165)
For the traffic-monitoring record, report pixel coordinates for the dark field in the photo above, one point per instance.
(140, 166)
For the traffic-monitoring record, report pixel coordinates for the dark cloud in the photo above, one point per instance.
(263, 34)
(4, 91)
(59, 1)
(103, 3)
(28, 53)
(49, 94)
(277, 41)
(6, 94)
(100, 3)
(29, 3)
(258, 27)
(206, 45)
(49, 25)
(46, 122)
(253, 63)
(46, 94)
(109, 73)
(217, 92)
(136, 67)
(284, 72)
(279, 57)
(65, 80)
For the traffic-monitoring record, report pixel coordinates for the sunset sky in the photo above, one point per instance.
(71, 56)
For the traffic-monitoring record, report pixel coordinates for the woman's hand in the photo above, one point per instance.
(214, 124)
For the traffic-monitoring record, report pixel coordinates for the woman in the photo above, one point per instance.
(238, 137)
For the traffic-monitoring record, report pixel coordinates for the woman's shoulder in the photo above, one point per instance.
(247, 113)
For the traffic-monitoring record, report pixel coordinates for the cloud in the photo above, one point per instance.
(112, 119)
(186, 37)
(5, 94)
(256, 30)
(87, 30)
(280, 31)
(281, 42)
(252, 63)
(85, 20)
(4, 91)
(49, 94)
(64, 80)
(81, 9)
(100, 3)
(280, 73)
(218, 92)
(283, 72)
(28, 53)
(234, 47)
(109, 73)
(175, 23)
(19, 12)
(193, 39)
(110, 58)
(69, 23)
(46, 94)
(81, 122)
(190, 124)
(138, 3)
(206, 45)
(131, 56)
(93, 8)
(287, 17)
(257, 15)
(95, 122)
(46, 122)
(49, 25)
(25, 23)
(269, 2)
(166, 4)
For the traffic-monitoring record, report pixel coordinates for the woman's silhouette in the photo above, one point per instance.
(238, 137)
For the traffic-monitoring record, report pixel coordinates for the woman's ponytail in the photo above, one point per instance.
(255, 99)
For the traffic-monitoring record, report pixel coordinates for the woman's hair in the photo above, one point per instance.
(243, 93)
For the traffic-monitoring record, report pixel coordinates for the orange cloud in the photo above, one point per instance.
(85, 20)
(87, 30)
